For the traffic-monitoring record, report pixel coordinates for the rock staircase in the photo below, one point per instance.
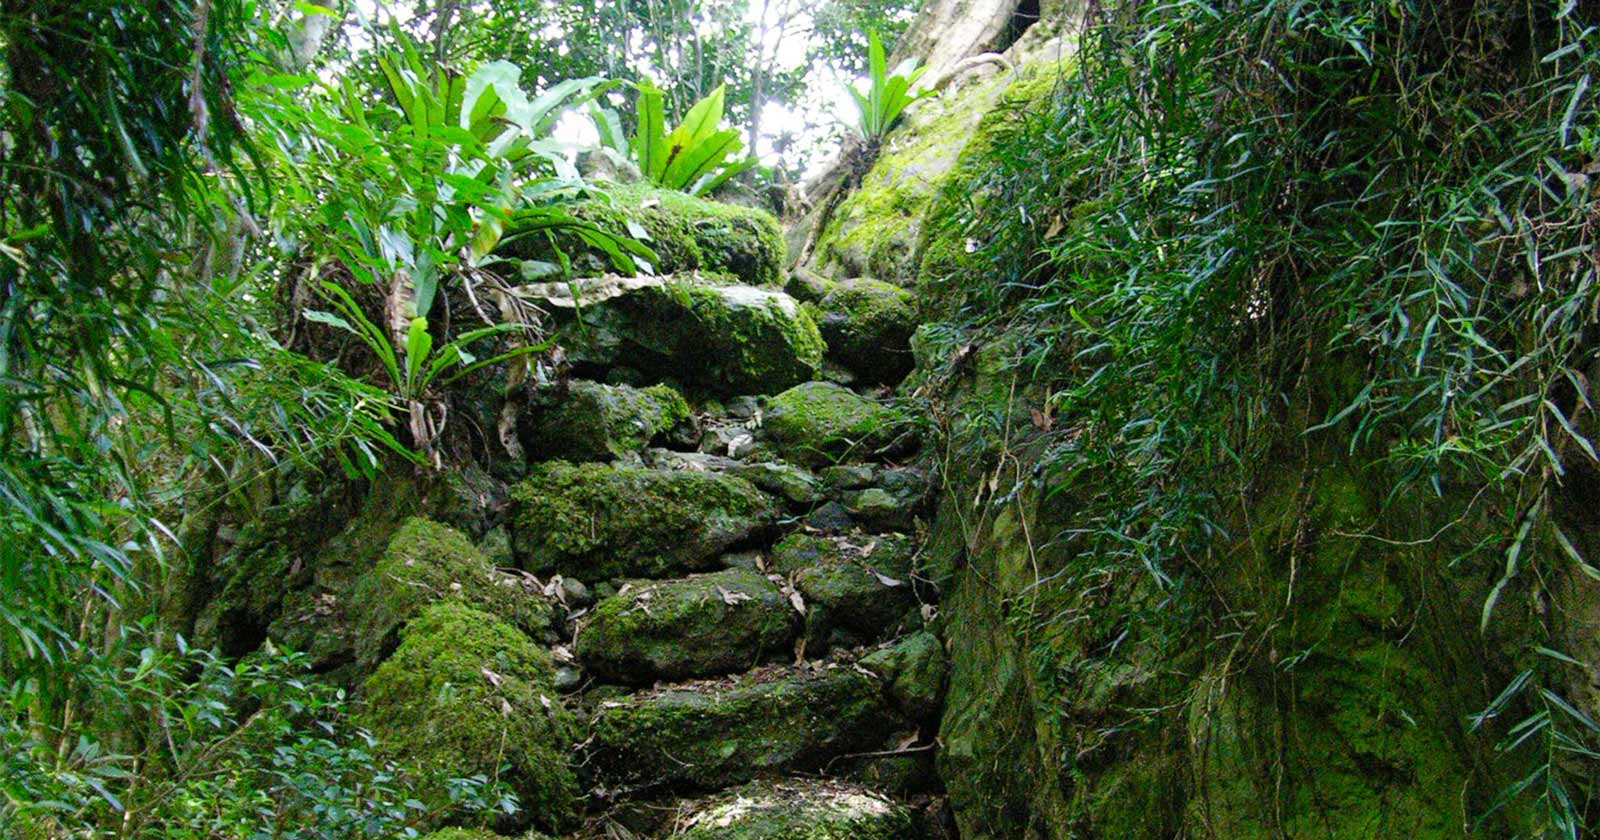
(746, 642)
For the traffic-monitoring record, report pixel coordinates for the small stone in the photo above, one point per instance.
(744, 408)
(831, 518)
(807, 287)
(568, 679)
(848, 476)
(749, 560)
(786, 480)
(915, 669)
(575, 594)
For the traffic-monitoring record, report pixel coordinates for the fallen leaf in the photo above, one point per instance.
(731, 598)
(494, 679)
(798, 602)
(885, 579)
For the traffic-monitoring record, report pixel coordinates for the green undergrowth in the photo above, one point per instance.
(1264, 357)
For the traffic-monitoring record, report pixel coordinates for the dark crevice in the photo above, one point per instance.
(1025, 15)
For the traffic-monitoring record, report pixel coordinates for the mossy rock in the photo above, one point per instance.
(795, 810)
(713, 735)
(890, 553)
(685, 232)
(595, 522)
(874, 232)
(595, 422)
(893, 501)
(867, 325)
(807, 287)
(820, 423)
(857, 589)
(780, 479)
(467, 694)
(427, 562)
(916, 670)
(712, 336)
(697, 626)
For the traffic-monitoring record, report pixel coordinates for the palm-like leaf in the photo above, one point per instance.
(698, 155)
(888, 94)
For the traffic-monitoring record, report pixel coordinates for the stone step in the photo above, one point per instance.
(595, 522)
(713, 734)
(699, 626)
(856, 588)
(705, 331)
(793, 809)
(818, 424)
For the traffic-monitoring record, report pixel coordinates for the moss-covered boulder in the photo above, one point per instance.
(467, 694)
(915, 669)
(595, 422)
(857, 589)
(685, 232)
(708, 334)
(698, 626)
(819, 423)
(427, 562)
(794, 810)
(867, 325)
(893, 500)
(718, 734)
(595, 522)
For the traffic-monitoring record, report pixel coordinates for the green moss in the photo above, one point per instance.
(468, 694)
(868, 325)
(711, 736)
(595, 422)
(945, 264)
(427, 562)
(819, 423)
(727, 340)
(595, 522)
(796, 811)
(874, 231)
(697, 626)
(915, 669)
(686, 233)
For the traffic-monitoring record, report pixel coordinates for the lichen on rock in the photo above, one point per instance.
(794, 810)
(467, 694)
